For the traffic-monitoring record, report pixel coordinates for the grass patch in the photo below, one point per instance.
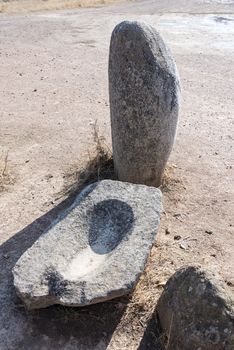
(168, 178)
(100, 166)
(24, 6)
(5, 178)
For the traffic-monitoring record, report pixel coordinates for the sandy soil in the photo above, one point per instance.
(25, 6)
(53, 73)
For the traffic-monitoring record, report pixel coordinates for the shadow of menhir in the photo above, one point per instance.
(56, 327)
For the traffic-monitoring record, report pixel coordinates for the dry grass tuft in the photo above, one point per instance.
(5, 178)
(140, 312)
(173, 187)
(168, 178)
(22, 6)
(99, 166)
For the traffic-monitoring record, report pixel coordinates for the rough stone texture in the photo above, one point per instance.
(196, 311)
(96, 251)
(144, 102)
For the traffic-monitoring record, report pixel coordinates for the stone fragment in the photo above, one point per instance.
(144, 93)
(95, 251)
(196, 311)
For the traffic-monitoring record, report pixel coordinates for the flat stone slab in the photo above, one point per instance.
(95, 251)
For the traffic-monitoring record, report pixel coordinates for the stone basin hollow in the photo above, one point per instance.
(110, 221)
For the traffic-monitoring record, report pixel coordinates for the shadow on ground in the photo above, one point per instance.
(56, 327)
(152, 335)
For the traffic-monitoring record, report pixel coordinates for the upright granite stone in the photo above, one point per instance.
(95, 251)
(196, 311)
(144, 102)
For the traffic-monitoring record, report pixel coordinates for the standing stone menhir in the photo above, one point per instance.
(144, 100)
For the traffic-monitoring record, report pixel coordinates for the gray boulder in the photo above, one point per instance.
(95, 251)
(196, 311)
(144, 93)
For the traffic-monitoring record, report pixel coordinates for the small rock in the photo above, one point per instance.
(167, 231)
(229, 283)
(177, 215)
(184, 245)
(196, 310)
(95, 251)
(177, 237)
(209, 232)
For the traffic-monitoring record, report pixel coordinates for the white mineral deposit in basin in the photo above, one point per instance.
(109, 222)
(83, 264)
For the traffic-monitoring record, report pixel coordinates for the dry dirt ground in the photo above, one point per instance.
(53, 87)
(24, 6)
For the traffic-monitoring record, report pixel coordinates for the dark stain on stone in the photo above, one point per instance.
(224, 20)
(83, 298)
(57, 285)
(110, 222)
